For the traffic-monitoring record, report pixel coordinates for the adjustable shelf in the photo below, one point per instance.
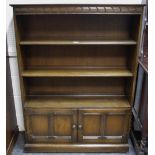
(78, 73)
(104, 42)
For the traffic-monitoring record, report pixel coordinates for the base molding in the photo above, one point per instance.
(76, 148)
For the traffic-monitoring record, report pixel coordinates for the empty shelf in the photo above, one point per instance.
(78, 73)
(76, 102)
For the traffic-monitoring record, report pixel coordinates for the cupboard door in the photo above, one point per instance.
(103, 126)
(55, 126)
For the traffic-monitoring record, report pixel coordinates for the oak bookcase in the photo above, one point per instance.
(78, 66)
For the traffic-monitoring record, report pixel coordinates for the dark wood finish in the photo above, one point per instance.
(20, 60)
(61, 126)
(102, 72)
(76, 86)
(76, 60)
(76, 28)
(77, 9)
(103, 125)
(58, 126)
(105, 60)
(76, 101)
(76, 148)
(11, 122)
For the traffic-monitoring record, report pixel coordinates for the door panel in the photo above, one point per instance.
(51, 125)
(39, 125)
(88, 128)
(62, 125)
(114, 124)
(103, 126)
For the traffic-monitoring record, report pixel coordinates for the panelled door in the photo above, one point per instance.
(51, 125)
(103, 126)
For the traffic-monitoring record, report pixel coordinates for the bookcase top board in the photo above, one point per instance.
(77, 9)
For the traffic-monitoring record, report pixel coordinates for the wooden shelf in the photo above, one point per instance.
(78, 73)
(76, 102)
(67, 42)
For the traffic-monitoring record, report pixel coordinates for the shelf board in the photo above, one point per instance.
(78, 73)
(67, 42)
(76, 102)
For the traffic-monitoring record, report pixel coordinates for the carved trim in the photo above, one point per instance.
(78, 9)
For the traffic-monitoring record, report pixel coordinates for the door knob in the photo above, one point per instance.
(80, 126)
(73, 126)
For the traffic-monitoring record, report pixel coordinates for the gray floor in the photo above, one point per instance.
(18, 150)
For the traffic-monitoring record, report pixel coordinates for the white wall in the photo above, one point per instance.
(14, 67)
(12, 46)
(77, 1)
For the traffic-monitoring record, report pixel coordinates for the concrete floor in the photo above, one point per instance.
(18, 150)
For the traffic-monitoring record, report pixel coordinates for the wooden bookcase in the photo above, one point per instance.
(78, 66)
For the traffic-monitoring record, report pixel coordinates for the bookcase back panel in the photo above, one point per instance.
(46, 57)
(75, 86)
(77, 27)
